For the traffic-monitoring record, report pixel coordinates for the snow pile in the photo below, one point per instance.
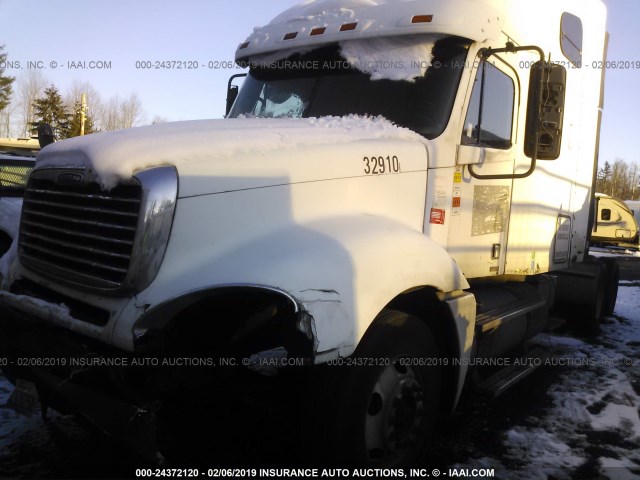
(613, 252)
(393, 58)
(55, 314)
(386, 58)
(117, 155)
(543, 447)
(319, 10)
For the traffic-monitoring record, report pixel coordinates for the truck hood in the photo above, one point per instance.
(214, 156)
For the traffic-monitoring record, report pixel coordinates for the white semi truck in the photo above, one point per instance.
(402, 188)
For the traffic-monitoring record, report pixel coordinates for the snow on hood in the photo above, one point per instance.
(117, 155)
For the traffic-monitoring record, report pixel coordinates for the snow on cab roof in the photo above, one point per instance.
(317, 22)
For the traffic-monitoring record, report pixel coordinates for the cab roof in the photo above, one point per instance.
(319, 22)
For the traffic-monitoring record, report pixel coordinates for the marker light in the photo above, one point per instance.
(317, 31)
(422, 19)
(348, 27)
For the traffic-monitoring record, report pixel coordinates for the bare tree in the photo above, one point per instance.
(6, 94)
(117, 114)
(131, 111)
(110, 118)
(158, 119)
(31, 86)
(6, 117)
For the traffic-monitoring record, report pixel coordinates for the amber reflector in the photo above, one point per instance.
(318, 31)
(422, 19)
(290, 36)
(348, 26)
(244, 45)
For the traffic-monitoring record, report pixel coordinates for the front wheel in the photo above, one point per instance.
(388, 401)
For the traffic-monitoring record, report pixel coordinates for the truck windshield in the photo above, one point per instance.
(322, 83)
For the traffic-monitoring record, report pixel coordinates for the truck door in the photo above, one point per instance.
(481, 207)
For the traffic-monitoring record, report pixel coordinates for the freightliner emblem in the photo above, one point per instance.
(70, 178)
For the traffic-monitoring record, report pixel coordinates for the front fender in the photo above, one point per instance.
(342, 271)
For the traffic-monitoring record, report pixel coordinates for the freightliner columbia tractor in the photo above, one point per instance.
(400, 190)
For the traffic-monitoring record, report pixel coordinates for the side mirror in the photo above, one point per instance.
(232, 92)
(45, 134)
(545, 117)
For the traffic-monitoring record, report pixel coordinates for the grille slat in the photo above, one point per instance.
(48, 265)
(79, 232)
(81, 209)
(74, 246)
(90, 223)
(76, 233)
(74, 259)
(93, 197)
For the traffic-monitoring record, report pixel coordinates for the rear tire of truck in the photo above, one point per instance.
(612, 278)
(386, 402)
(593, 310)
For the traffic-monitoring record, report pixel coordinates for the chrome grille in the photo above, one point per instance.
(79, 232)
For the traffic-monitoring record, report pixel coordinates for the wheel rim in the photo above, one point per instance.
(395, 413)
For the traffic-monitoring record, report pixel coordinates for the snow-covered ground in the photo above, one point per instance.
(592, 427)
(587, 427)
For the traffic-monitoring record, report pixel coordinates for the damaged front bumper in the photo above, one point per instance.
(121, 394)
(54, 361)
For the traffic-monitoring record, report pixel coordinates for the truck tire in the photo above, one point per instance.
(387, 399)
(612, 278)
(580, 295)
(593, 309)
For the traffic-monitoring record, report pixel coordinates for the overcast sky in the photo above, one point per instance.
(125, 32)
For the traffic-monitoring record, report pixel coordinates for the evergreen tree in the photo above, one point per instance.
(6, 82)
(603, 182)
(51, 109)
(74, 125)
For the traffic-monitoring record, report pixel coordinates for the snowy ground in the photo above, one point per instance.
(576, 419)
(586, 424)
